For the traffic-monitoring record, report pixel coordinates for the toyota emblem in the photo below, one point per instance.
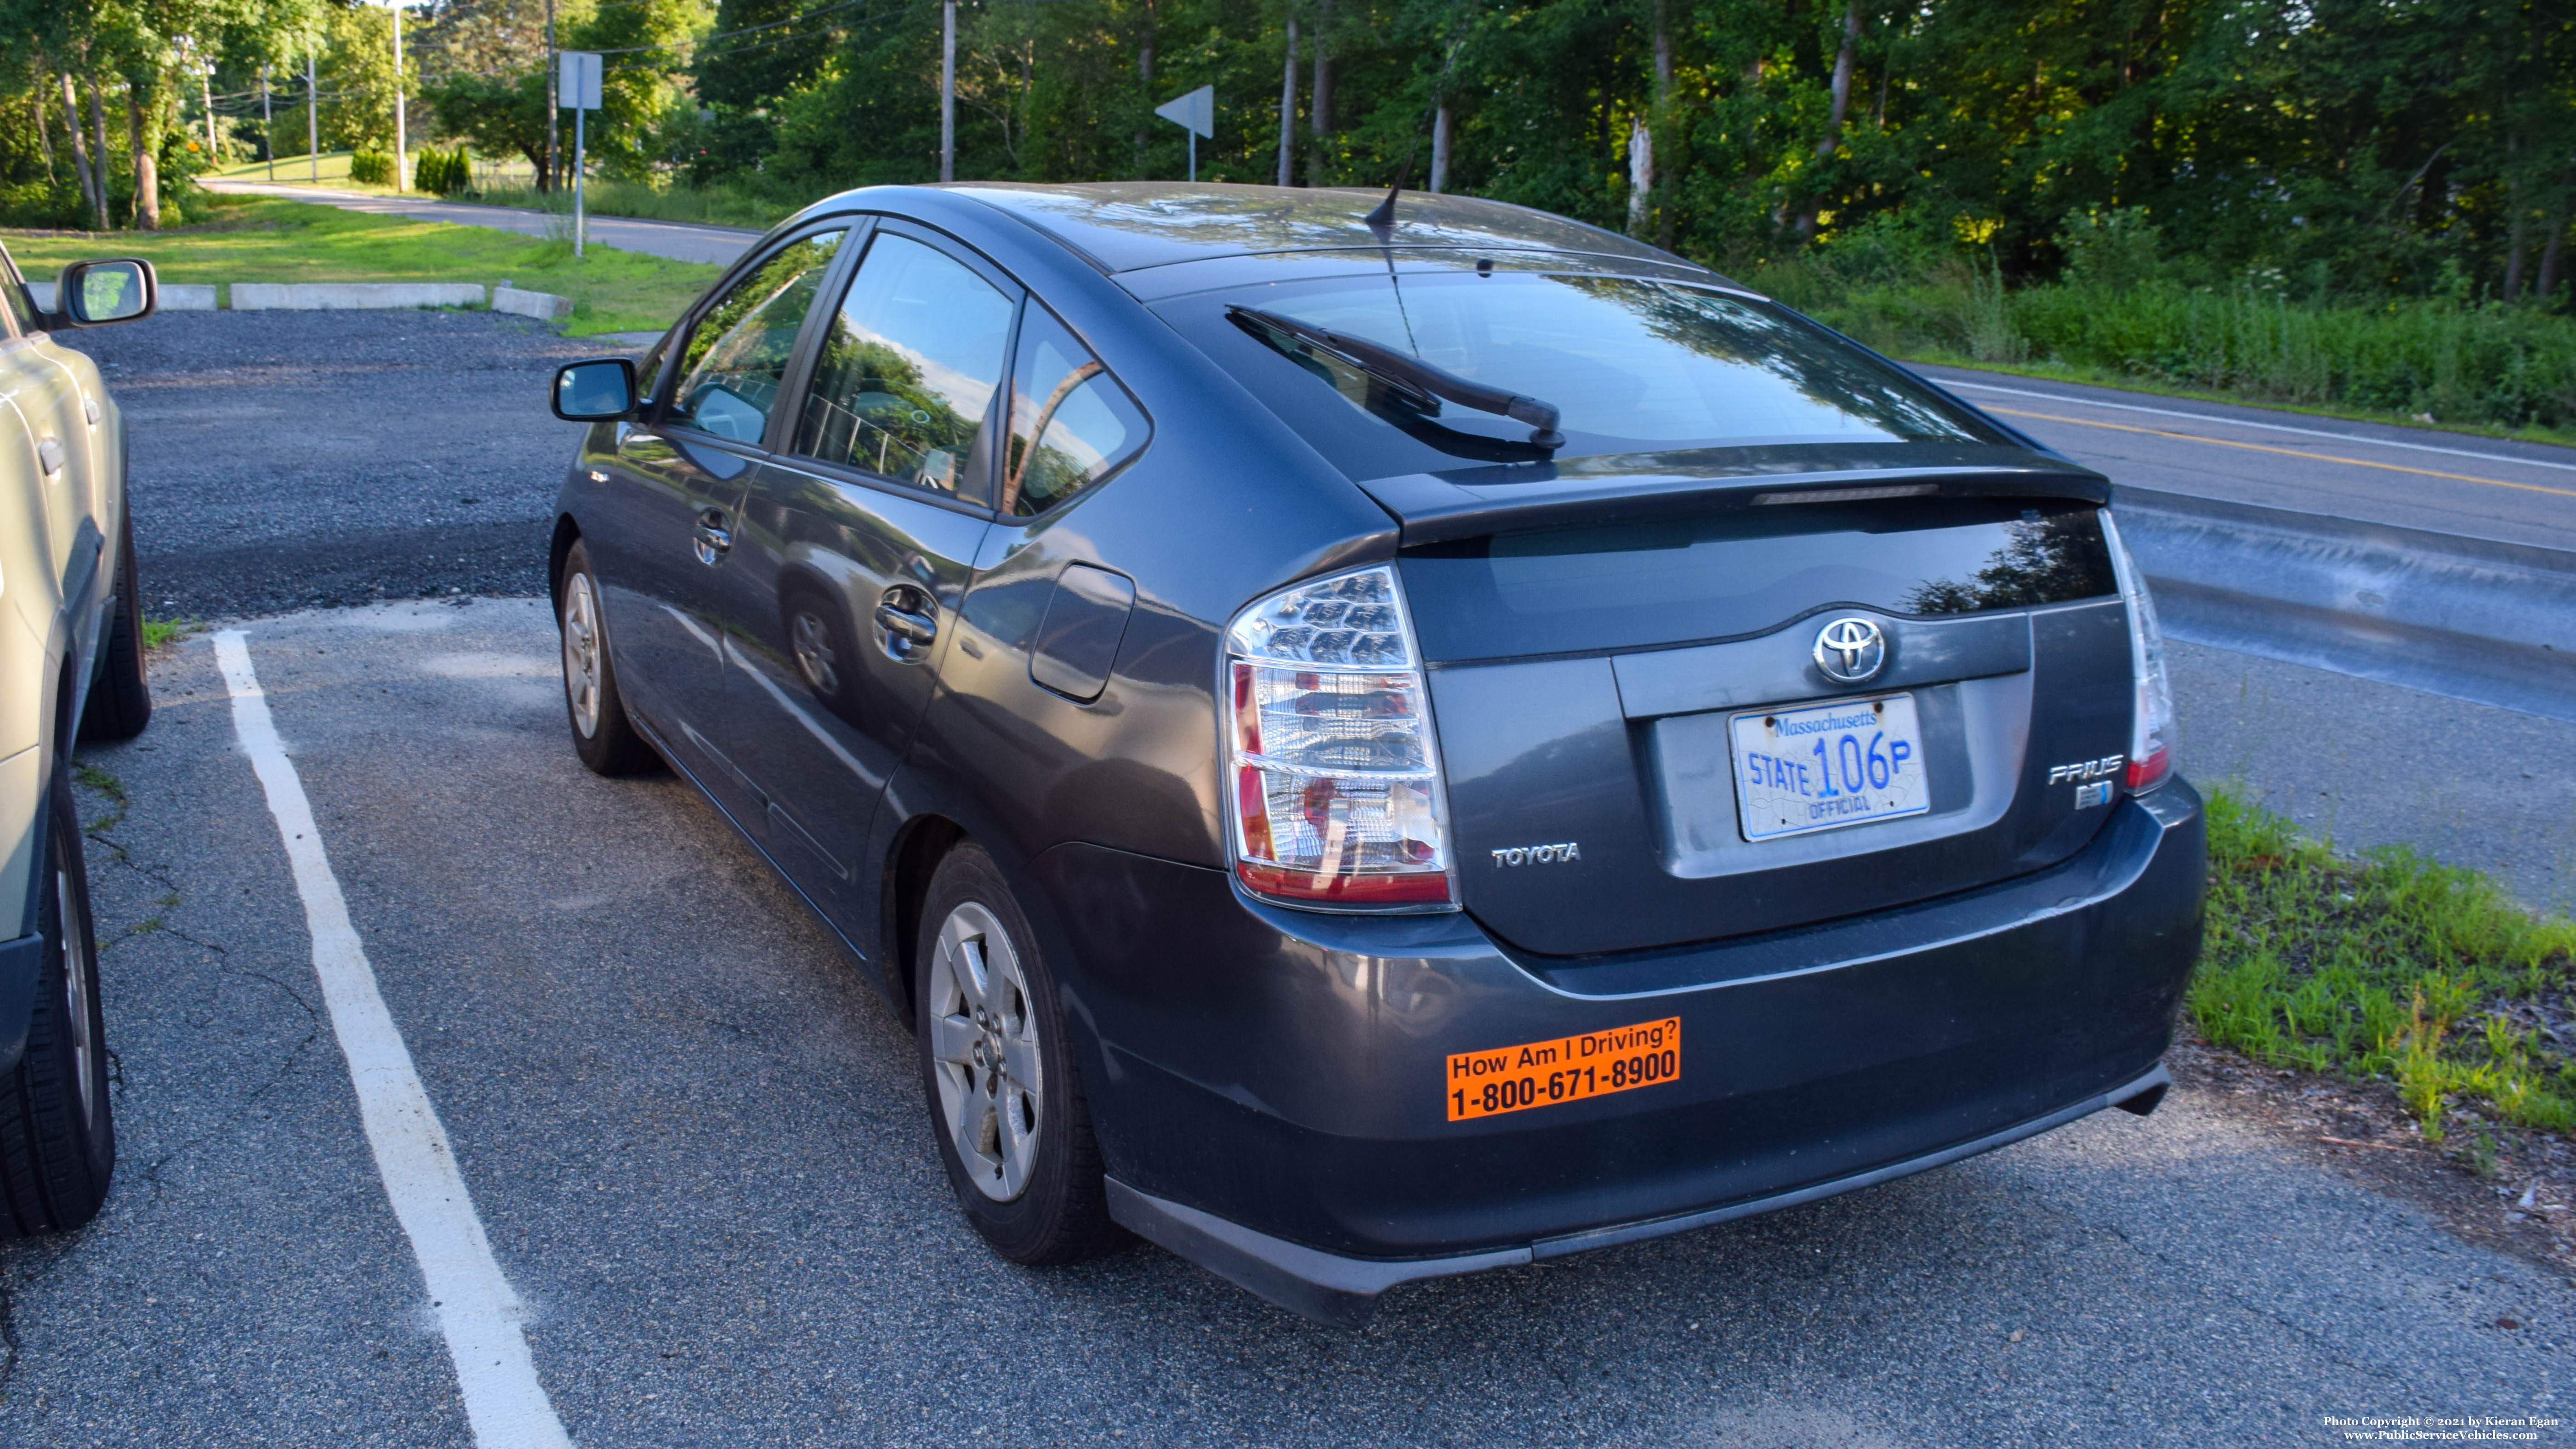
(1850, 650)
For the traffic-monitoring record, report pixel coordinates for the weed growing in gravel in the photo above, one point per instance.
(157, 632)
(2386, 967)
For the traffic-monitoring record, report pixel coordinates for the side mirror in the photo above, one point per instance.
(94, 294)
(598, 391)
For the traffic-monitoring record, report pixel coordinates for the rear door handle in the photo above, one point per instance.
(713, 537)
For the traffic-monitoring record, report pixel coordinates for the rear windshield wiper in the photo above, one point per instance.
(1417, 381)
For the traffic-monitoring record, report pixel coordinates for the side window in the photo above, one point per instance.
(909, 369)
(737, 354)
(1071, 423)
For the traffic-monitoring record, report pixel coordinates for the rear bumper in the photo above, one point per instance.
(1343, 1291)
(1270, 1085)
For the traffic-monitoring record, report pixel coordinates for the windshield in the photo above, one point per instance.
(1631, 365)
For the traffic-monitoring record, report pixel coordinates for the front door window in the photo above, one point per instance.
(737, 355)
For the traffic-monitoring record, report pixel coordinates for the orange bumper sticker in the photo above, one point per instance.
(1568, 1069)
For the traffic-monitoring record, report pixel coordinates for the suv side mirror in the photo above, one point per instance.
(94, 294)
(601, 390)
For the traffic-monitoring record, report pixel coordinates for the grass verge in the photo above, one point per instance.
(2387, 967)
(264, 239)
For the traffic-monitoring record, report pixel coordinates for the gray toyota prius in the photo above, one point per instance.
(1380, 738)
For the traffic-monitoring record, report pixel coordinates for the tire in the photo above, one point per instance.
(57, 1125)
(1033, 1190)
(602, 734)
(120, 696)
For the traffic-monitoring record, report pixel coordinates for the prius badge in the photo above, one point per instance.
(1850, 650)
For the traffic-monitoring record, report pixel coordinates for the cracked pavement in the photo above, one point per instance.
(698, 1145)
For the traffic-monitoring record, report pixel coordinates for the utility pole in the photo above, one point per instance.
(948, 90)
(267, 123)
(554, 103)
(402, 178)
(312, 117)
(1288, 102)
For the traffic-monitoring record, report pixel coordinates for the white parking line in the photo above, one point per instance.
(2086, 402)
(477, 1312)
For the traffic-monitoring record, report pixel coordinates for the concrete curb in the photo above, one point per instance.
(544, 306)
(175, 296)
(335, 296)
(2476, 619)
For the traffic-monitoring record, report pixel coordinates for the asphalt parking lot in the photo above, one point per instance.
(697, 1147)
(695, 1144)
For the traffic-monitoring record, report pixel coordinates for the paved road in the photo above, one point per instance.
(697, 1147)
(2416, 478)
(2362, 763)
(680, 241)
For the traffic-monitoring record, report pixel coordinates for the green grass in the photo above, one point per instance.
(333, 167)
(263, 239)
(2389, 967)
(157, 632)
(718, 206)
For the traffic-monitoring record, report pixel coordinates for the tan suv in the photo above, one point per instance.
(71, 653)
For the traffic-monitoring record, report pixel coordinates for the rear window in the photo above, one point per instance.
(1582, 590)
(1631, 365)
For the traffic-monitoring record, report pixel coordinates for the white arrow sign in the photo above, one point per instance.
(1194, 113)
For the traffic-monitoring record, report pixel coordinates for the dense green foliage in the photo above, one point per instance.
(2387, 967)
(442, 172)
(371, 168)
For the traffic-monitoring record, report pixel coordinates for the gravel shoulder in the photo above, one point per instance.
(698, 1146)
(286, 460)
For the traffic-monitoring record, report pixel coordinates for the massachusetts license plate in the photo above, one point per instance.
(1828, 765)
(1568, 1069)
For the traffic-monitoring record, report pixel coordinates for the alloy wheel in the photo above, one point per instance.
(581, 651)
(985, 1053)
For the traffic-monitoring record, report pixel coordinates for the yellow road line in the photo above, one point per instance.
(2285, 452)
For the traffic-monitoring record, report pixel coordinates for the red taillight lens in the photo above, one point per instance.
(2151, 717)
(1337, 796)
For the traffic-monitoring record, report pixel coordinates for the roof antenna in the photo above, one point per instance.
(1382, 220)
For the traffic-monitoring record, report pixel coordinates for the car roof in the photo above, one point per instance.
(1124, 226)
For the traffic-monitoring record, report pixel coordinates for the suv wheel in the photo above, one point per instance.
(57, 1133)
(998, 1070)
(601, 733)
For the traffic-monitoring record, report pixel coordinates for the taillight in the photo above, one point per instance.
(2151, 719)
(1335, 777)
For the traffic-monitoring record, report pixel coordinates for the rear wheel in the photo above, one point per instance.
(601, 733)
(57, 1133)
(1005, 1103)
(120, 697)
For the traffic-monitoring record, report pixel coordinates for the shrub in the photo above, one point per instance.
(442, 173)
(371, 168)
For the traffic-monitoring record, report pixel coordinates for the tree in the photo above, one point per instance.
(499, 116)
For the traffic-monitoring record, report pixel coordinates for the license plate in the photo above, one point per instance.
(1568, 1069)
(1828, 765)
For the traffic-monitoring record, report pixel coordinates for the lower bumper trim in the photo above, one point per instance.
(1342, 1292)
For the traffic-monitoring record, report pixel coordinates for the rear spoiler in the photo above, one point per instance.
(1639, 487)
